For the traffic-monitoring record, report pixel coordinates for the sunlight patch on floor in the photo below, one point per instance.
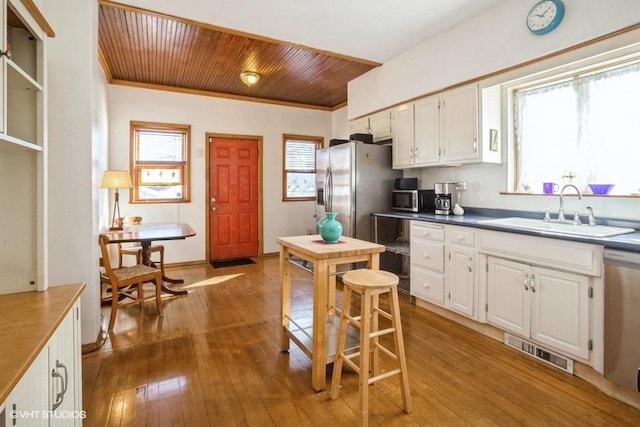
(212, 281)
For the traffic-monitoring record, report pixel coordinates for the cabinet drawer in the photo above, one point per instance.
(428, 255)
(460, 236)
(427, 285)
(423, 230)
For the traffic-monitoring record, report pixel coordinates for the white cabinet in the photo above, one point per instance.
(360, 125)
(65, 362)
(548, 306)
(444, 131)
(22, 148)
(403, 141)
(427, 261)
(460, 270)
(427, 131)
(459, 125)
(50, 393)
(378, 125)
(29, 399)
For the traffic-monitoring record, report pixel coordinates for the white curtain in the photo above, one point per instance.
(588, 126)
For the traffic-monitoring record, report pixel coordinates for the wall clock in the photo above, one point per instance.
(545, 16)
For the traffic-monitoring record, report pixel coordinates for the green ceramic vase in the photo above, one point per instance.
(330, 229)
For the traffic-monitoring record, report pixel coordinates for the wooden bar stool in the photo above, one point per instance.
(370, 284)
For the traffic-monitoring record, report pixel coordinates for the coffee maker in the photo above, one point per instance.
(446, 197)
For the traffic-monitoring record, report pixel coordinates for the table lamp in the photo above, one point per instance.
(116, 179)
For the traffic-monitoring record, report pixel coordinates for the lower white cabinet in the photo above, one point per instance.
(427, 261)
(29, 398)
(49, 393)
(65, 372)
(549, 306)
(460, 270)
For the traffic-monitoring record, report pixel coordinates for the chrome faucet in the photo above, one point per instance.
(561, 210)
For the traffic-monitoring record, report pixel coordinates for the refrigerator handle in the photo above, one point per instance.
(329, 193)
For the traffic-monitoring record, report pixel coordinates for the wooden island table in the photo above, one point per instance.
(318, 340)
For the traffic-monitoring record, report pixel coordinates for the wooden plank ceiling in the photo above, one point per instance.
(142, 48)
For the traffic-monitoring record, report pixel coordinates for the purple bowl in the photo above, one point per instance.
(601, 188)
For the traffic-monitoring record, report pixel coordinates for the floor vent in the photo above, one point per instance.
(533, 350)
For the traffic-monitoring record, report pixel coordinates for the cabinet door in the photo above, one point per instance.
(459, 125)
(28, 401)
(402, 123)
(64, 363)
(459, 279)
(427, 131)
(360, 125)
(560, 310)
(508, 302)
(380, 124)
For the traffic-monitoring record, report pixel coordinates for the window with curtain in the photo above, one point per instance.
(583, 129)
(299, 167)
(160, 163)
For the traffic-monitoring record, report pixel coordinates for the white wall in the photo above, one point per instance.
(490, 42)
(208, 114)
(77, 144)
(340, 124)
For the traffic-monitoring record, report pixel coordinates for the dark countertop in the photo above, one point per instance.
(629, 242)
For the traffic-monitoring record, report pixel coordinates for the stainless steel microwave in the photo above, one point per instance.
(413, 200)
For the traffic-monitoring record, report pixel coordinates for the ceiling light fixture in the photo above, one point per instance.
(249, 78)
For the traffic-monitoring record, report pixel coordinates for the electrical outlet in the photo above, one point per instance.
(461, 186)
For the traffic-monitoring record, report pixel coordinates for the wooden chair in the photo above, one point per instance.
(125, 277)
(136, 250)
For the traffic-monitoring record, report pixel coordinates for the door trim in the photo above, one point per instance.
(258, 139)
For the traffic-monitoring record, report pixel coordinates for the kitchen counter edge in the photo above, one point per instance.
(29, 321)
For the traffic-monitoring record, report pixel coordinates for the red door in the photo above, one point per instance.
(233, 198)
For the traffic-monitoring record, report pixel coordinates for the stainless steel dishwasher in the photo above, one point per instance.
(622, 318)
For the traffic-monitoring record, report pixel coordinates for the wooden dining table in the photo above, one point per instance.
(318, 338)
(146, 234)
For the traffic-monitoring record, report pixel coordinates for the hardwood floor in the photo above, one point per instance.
(213, 360)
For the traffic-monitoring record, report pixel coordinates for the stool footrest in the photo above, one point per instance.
(384, 375)
(382, 332)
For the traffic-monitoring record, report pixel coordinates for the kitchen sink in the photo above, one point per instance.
(557, 227)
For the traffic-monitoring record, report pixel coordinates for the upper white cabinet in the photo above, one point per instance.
(378, 125)
(360, 125)
(403, 145)
(445, 130)
(22, 147)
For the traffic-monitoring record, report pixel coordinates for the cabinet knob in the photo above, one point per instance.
(526, 281)
(426, 256)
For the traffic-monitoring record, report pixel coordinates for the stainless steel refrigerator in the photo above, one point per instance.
(354, 179)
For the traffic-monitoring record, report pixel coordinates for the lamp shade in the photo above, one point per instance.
(116, 179)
